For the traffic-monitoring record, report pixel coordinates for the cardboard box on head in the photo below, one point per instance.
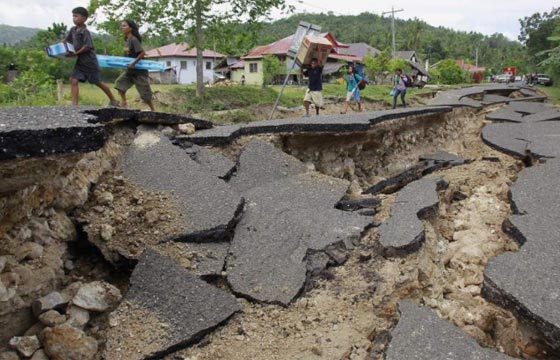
(313, 47)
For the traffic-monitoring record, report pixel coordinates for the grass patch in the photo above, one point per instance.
(553, 93)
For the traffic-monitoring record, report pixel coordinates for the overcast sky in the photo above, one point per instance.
(485, 16)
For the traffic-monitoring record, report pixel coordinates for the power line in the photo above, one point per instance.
(316, 7)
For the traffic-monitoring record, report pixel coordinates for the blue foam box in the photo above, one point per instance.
(122, 62)
(60, 49)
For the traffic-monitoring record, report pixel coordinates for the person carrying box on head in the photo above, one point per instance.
(87, 67)
(133, 76)
(314, 92)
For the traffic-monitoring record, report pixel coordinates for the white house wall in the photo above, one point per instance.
(188, 75)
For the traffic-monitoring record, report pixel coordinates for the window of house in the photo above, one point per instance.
(208, 65)
(183, 65)
(168, 63)
(253, 67)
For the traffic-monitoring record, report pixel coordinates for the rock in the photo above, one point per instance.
(105, 198)
(54, 300)
(52, 318)
(40, 355)
(106, 232)
(29, 251)
(9, 355)
(6, 293)
(3, 261)
(187, 129)
(97, 296)
(35, 329)
(25, 345)
(77, 317)
(63, 342)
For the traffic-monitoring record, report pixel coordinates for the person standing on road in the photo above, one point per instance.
(133, 76)
(399, 86)
(352, 91)
(314, 92)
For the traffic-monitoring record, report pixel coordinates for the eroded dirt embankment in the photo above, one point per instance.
(347, 312)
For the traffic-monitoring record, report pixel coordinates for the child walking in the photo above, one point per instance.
(87, 67)
(133, 76)
(352, 92)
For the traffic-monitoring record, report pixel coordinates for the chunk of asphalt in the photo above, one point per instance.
(421, 335)
(261, 163)
(358, 204)
(48, 130)
(443, 157)
(281, 222)
(212, 161)
(527, 108)
(208, 205)
(491, 99)
(403, 232)
(159, 118)
(537, 137)
(528, 282)
(397, 182)
(221, 135)
(187, 309)
(507, 114)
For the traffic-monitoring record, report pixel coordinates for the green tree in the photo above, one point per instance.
(272, 66)
(398, 63)
(448, 72)
(187, 18)
(377, 67)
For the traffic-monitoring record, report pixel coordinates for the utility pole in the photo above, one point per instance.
(476, 61)
(392, 12)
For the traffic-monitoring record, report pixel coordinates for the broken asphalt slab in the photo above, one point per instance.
(528, 282)
(421, 335)
(403, 232)
(537, 137)
(428, 164)
(207, 204)
(260, 163)
(464, 96)
(281, 222)
(159, 118)
(289, 214)
(49, 130)
(185, 307)
(221, 135)
(211, 160)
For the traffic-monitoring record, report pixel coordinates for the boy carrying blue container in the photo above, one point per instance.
(87, 67)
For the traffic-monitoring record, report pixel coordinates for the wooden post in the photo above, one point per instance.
(59, 92)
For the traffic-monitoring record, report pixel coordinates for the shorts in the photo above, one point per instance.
(83, 76)
(315, 97)
(138, 78)
(353, 95)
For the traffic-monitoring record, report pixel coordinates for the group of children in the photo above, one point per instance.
(352, 79)
(87, 66)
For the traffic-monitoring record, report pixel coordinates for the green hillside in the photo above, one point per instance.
(430, 42)
(10, 35)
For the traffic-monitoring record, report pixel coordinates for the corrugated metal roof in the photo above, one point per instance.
(180, 50)
(280, 47)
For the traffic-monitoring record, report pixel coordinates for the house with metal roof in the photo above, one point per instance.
(251, 65)
(180, 60)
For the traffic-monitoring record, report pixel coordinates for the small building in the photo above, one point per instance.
(180, 62)
(477, 72)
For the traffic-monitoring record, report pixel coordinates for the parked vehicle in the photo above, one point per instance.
(502, 78)
(543, 79)
(511, 71)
